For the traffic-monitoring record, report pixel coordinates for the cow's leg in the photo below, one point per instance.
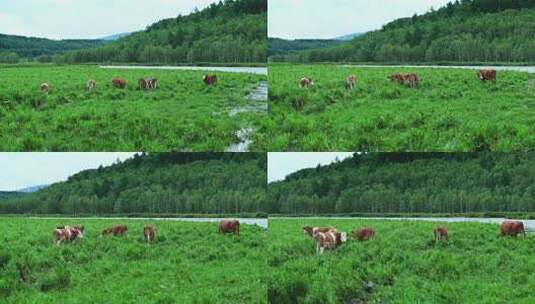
(321, 250)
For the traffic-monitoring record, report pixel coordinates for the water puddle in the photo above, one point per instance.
(244, 141)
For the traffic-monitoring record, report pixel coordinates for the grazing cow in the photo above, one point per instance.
(306, 82)
(45, 88)
(441, 233)
(149, 232)
(485, 75)
(143, 84)
(330, 240)
(229, 226)
(79, 227)
(209, 79)
(90, 85)
(312, 230)
(351, 82)
(364, 234)
(512, 228)
(119, 83)
(115, 230)
(153, 83)
(66, 234)
(410, 80)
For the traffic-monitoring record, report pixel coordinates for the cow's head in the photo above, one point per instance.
(343, 237)
(307, 230)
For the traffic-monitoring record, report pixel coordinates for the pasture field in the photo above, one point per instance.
(183, 114)
(402, 264)
(188, 263)
(451, 110)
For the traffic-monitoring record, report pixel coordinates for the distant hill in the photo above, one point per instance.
(410, 183)
(230, 31)
(283, 46)
(114, 37)
(32, 189)
(31, 47)
(191, 183)
(462, 32)
(9, 194)
(348, 37)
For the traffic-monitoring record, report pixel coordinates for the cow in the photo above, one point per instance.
(149, 233)
(410, 80)
(153, 83)
(512, 228)
(143, 84)
(351, 82)
(45, 88)
(330, 240)
(119, 83)
(66, 234)
(306, 82)
(209, 79)
(148, 83)
(364, 234)
(312, 230)
(229, 226)
(90, 85)
(79, 227)
(118, 230)
(485, 75)
(441, 233)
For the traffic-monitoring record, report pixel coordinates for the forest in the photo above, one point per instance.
(467, 31)
(282, 46)
(14, 48)
(410, 183)
(155, 183)
(230, 31)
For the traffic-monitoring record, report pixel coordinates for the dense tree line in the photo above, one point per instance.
(281, 46)
(191, 183)
(230, 31)
(29, 47)
(410, 183)
(462, 31)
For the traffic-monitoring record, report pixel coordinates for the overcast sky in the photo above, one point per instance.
(22, 170)
(282, 164)
(322, 19)
(87, 19)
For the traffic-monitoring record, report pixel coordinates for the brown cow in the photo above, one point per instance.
(209, 79)
(410, 80)
(229, 226)
(330, 240)
(512, 228)
(66, 234)
(149, 232)
(119, 83)
(364, 234)
(441, 233)
(306, 82)
(45, 88)
(351, 82)
(90, 85)
(115, 230)
(485, 75)
(312, 230)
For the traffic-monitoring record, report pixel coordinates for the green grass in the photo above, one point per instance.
(183, 114)
(450, 111)
(403, 263)
(188, 263)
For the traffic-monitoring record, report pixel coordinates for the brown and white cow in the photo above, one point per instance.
(153, 83)
(364, 234)
(149, 233)
(441, 233)
(229, 226)
(410, 80)
(115, 230)
(66, 234)
(351, 82)
(209, 79)
(512, 228)
(143, 84)
(310, 231)
(45, 88)
(329, 240)
(90, 85)
(306, 82)
(485, 75)
(119, 83)
(79, 227)
(150, 83)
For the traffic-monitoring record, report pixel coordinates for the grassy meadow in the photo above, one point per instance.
(188, 263)
(181, 115)
(450, 111)
(402, 264)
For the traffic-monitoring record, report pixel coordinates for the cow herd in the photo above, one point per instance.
(71, 233)
(144, 84)
(331, 238)
(411, 80)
